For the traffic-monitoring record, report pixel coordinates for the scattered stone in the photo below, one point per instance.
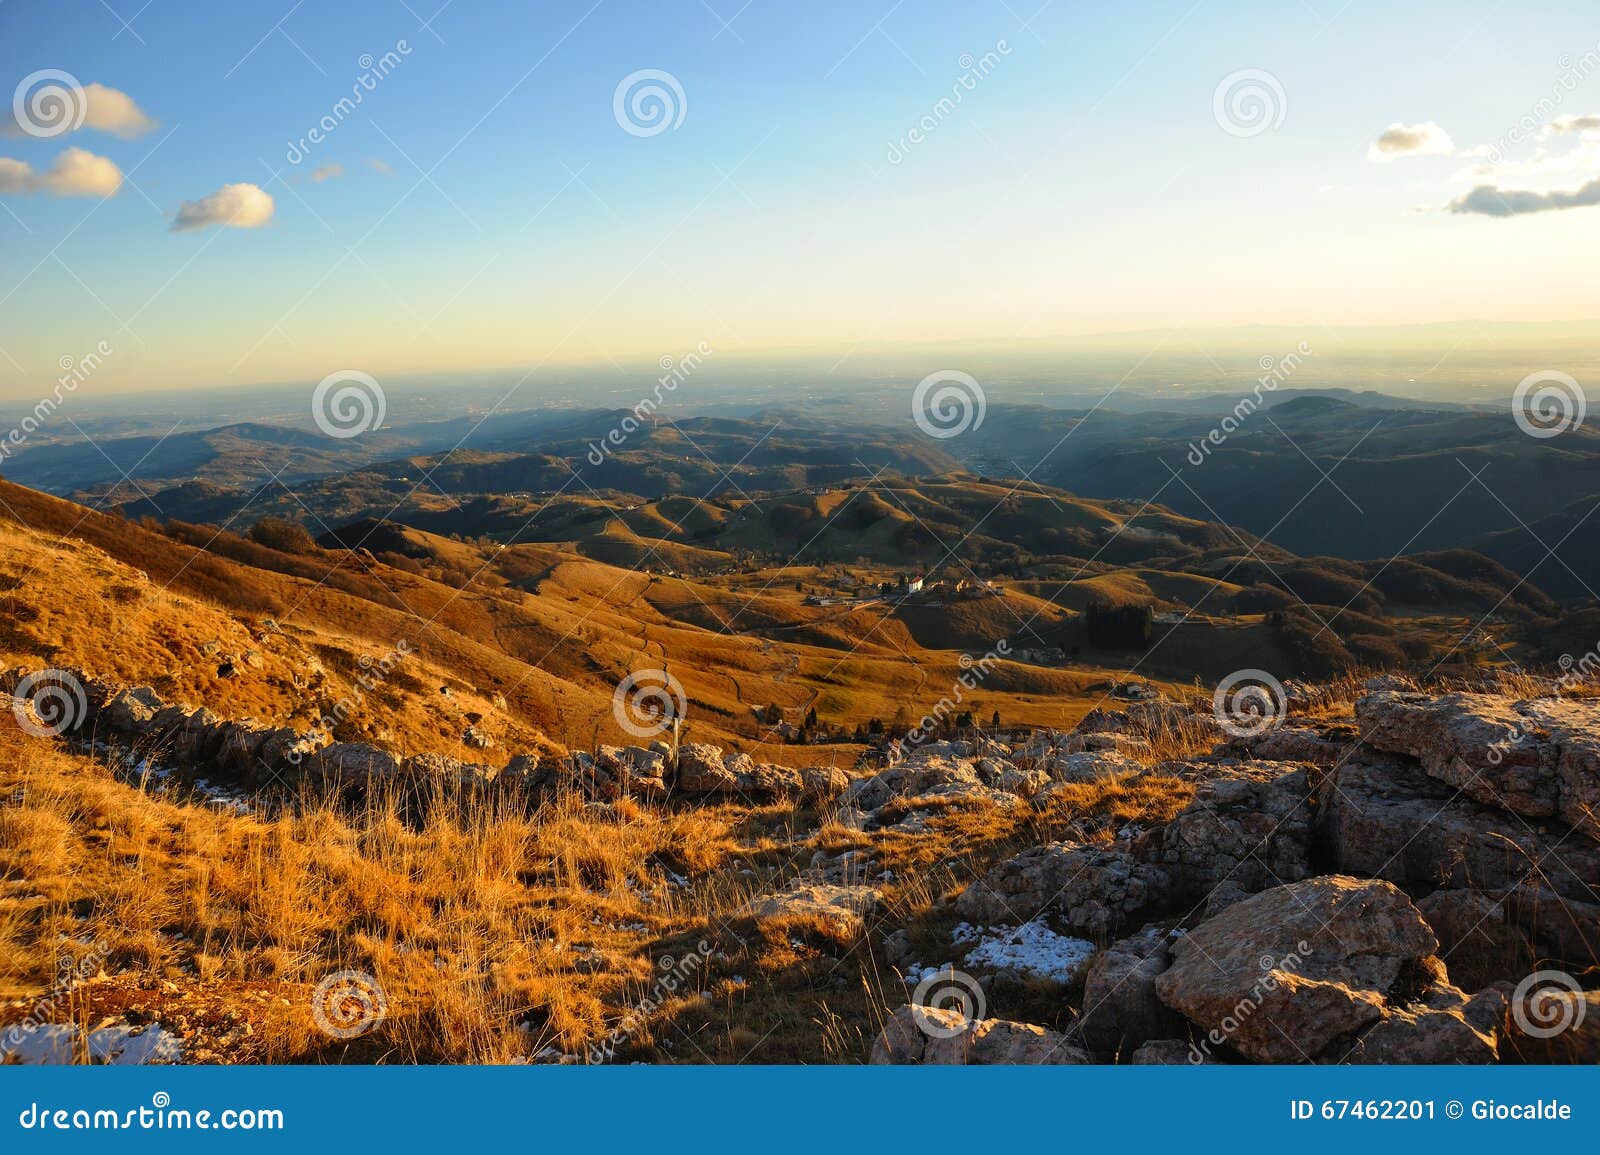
(938, 1036)
(846, 907)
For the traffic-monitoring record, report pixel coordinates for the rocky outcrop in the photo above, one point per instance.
(1539, 759)
(1446, 1027)
(1478, 941)
(1392, 821)
(706, 771)
(243, 750)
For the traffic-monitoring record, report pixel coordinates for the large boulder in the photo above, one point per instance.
(1121, 1010)
(440, 769)
(823, 783)
(239, 747)
(1565, 931)
(1091, 766)
(1573, 727)
(701, 770)
(1478, 743)
(1285, 975)
(941, 1036)
(1325, 746)
(770, 782)
(1088, 890)
(929, 769)
(131, 710)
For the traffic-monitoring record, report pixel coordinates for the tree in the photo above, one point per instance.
(1118, 627)
(281, 534)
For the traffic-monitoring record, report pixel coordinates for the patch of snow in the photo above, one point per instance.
(119, 1046)
(1032, 950)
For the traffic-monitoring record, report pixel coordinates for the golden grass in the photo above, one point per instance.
(495, 930)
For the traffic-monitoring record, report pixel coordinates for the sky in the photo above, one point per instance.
(826, 176)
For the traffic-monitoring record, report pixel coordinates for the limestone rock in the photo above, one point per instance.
(846, 907)
(1120, 1007)
(938, 1036)
(1478, 743)
(1090, 890)
(1285, 974)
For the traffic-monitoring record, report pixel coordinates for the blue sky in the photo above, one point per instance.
(1083, 183)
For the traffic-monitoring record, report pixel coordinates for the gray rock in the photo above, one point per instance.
(1090, 890)
(1120, 1007)
(1287, 973)
(938, 1036)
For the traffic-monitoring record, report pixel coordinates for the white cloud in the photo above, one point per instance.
(101, 108)
(1493, 201)
(327, 172)
(1399, 140)
(113, 111)
(77, 172)
(239, 206)
(15, 176)
(1565, 124)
